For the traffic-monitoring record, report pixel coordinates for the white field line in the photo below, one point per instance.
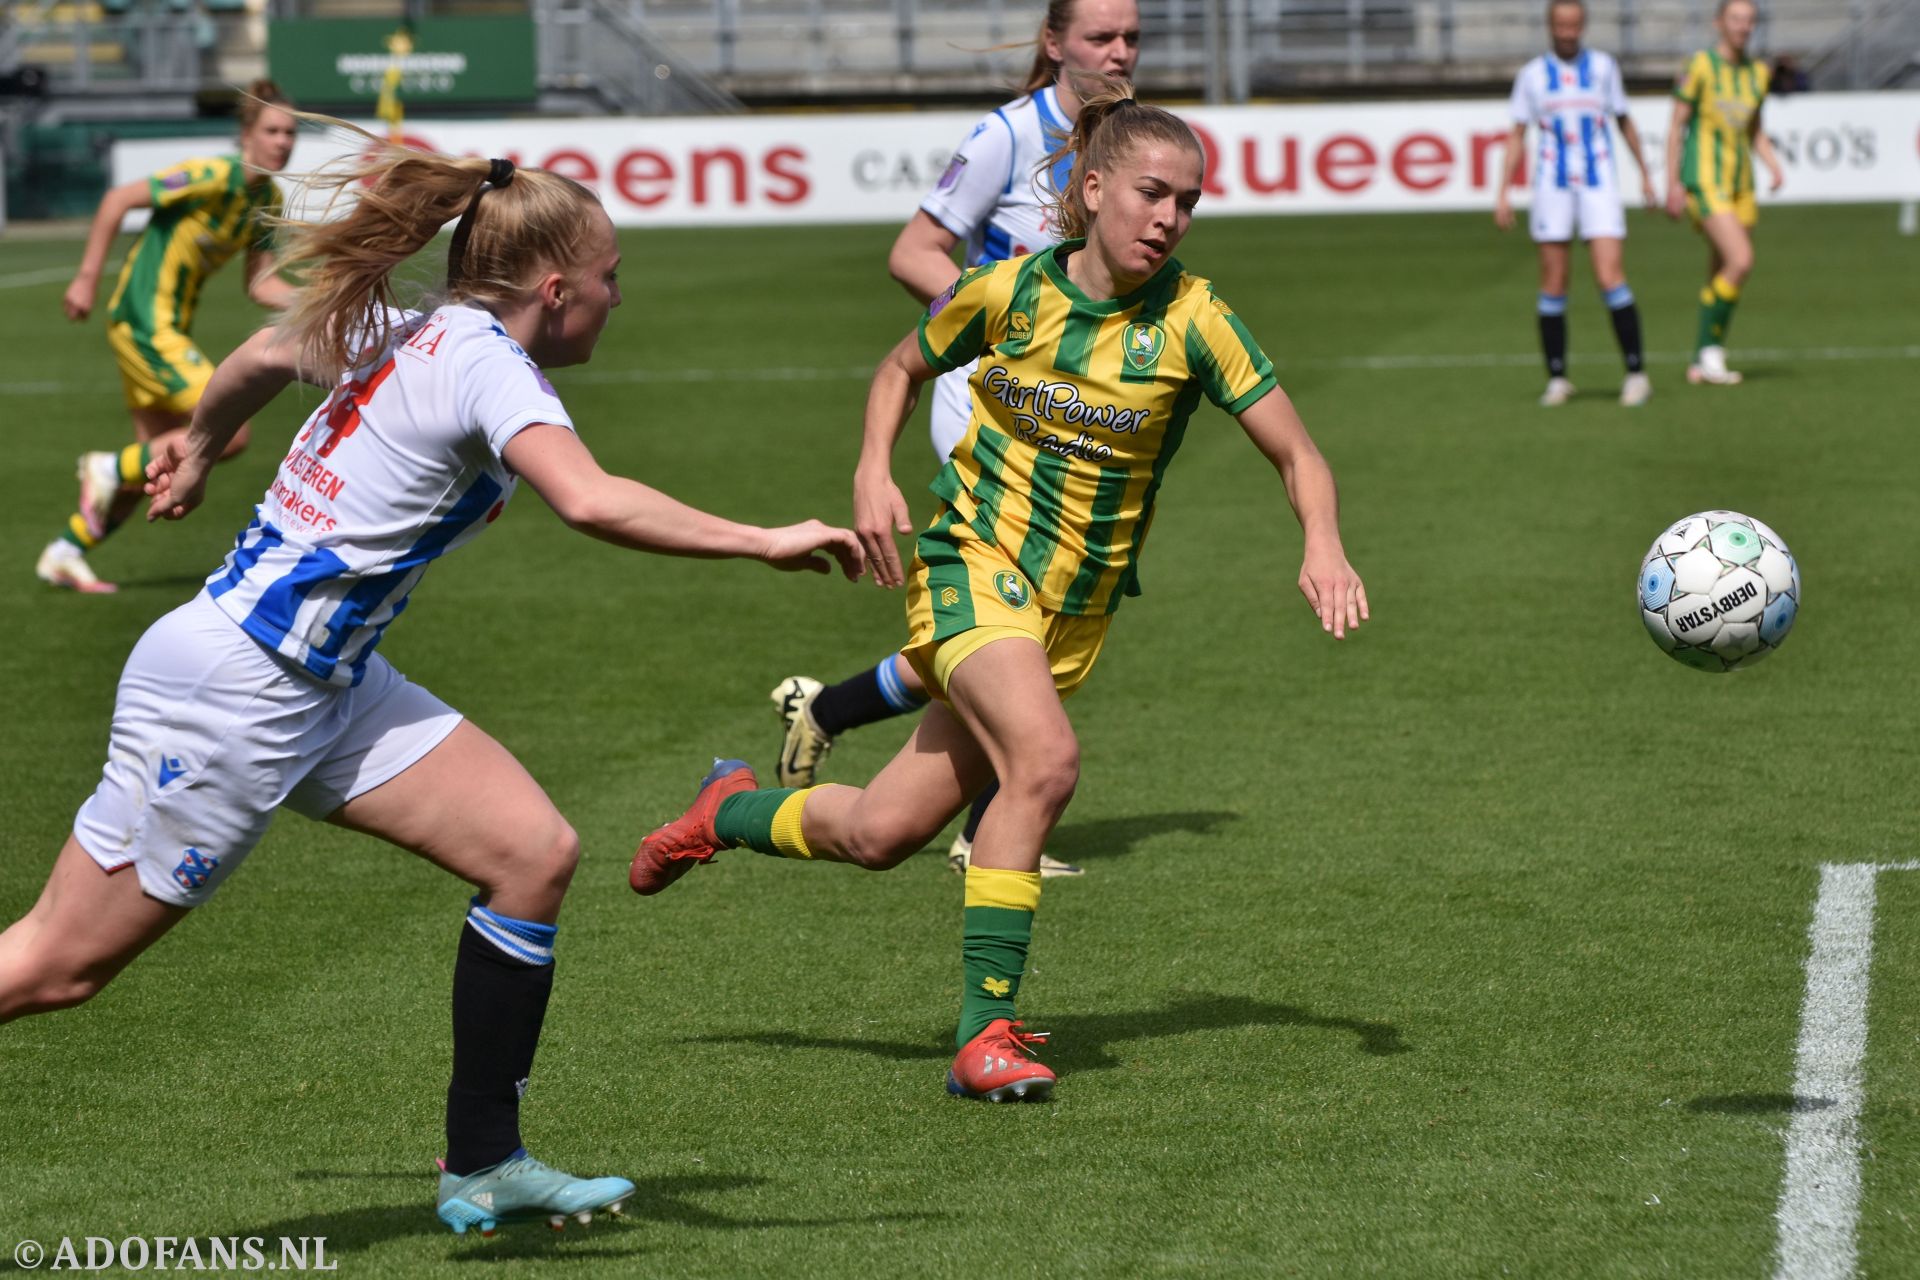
(46, 275)
(1819, 1209)
(1384, 364)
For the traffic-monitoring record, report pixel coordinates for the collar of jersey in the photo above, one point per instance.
(1057, 272)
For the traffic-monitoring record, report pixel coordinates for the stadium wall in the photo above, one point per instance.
(1387, 157)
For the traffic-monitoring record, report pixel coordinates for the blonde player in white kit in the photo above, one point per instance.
(1572, 96)
(268, 690)
(992, 201)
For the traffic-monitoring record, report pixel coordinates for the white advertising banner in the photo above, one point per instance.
(1372, 157)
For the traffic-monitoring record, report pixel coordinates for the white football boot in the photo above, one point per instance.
(1636, 390)
(1558, 392)
(804, 746)
(1710, 367)
(62, 565)
(99, 475)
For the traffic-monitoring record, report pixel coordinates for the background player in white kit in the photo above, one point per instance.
(267, 689)
(993, 200)
(1571, 95)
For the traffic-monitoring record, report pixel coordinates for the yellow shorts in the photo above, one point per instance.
(1704, 202)
(162, 370)
(963, 592)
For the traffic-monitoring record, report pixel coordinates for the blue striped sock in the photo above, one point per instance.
(524, 940)
(897, 695)
(1619, 296)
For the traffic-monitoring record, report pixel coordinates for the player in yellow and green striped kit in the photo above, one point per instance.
(204, 212)
(1712, 140)
(1093, 357)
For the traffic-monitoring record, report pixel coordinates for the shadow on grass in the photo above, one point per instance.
(670, 1200)
(1083, 1042)
(1100, 838)
(1755, 1104)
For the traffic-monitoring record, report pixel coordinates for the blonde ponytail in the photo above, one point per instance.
(534, 224)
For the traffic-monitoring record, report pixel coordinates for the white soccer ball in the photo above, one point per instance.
(1719, 591)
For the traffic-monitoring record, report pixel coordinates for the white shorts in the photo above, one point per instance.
(1596, 213)
(952, 410)
(212, 733)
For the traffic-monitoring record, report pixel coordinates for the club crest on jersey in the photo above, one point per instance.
(194, 869)
(1013, 589)
(1142, 342)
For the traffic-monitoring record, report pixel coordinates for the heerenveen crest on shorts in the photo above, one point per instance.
(398, 467)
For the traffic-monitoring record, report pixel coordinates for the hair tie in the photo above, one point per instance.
(499, 174)
(1125, 102)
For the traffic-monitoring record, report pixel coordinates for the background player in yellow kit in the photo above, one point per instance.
(1711, 143)
(1093, 356)
(204, 212)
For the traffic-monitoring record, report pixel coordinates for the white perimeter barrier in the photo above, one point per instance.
(1376, 157)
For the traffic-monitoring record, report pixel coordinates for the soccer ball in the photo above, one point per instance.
(1719, 590)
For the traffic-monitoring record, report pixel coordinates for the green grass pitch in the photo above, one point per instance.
(1471, 946)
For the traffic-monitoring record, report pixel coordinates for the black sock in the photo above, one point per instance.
(875, 694)
(1553, 338)
(1626, 327)
(979, 810)
(499, 1002)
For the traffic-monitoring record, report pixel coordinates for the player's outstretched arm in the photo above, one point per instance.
(114, 206)
(879, 510)
(629, 514)
(243, 384)
(1326, 579)
(264, 285)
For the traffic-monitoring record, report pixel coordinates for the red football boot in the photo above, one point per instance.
(994, 1065)
(672, 851)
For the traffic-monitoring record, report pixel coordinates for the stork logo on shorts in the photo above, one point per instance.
(1013, 589)
(194, 870)
(1142, 342)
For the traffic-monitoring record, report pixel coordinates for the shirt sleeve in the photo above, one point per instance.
(502, 393)
(976, 179)
(959, 323)
(1693, 80)
(265, 233)
(1520, 103)
(190, 180)
(1762, 82)
(1233, 371)
(1616, 91)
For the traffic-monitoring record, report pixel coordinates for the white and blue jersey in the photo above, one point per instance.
(399, 466)
(1573, 105)
(995, 194)
(996, 198)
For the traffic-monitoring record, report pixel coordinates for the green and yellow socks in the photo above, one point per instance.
(993, 953)
(133, 473)
(1717, 300)
(767, 821)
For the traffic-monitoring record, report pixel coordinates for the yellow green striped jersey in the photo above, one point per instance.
(1726, 97)
(204, 212)
(1078, 407)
